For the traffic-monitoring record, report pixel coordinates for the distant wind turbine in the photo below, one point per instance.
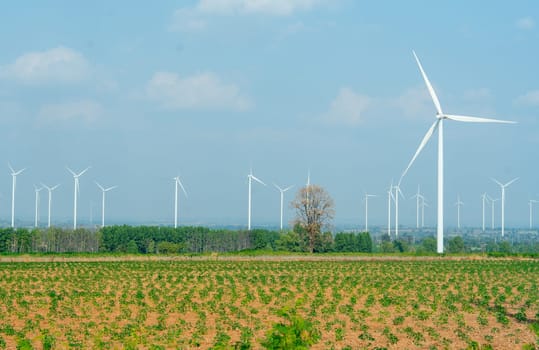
(389, 198)
(13, 187)
(530, 203)
(367, 210)
(177, 183)
(492, 200)
(483, 199)
(282, 191)
(459, 203)
(438, 124)
(50, 189)
(36, 220)
(76, 192)
(503, 186)
(396, 198)
(251, 177)
(417, 197)
(104, 191)
(423, 205)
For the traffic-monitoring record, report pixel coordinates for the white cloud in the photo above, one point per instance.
(200, 91)
(347, 107)
(59, 64)
(187, 20)
(196, 18)
(269, 7)
(415, 102)
(526, 23)
(530, 98)
(86, 111)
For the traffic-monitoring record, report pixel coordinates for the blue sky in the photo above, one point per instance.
(206, 89)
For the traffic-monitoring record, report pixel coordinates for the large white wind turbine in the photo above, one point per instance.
(13, 187)
(251, 177)
(282, 191)
(76, 192)
(396, 198)
(50, 189)
(530, 203)
(177, 183)
(104, 191)
(459, 203)
(438, 124)
(367, 210)
(36, 219)
(503, 186)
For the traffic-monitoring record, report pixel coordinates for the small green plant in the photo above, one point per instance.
(294, 333)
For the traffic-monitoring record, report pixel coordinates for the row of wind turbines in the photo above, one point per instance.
(76, 176)
(394, 192)
(50, 189)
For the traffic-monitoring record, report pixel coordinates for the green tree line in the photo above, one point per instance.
(185, 239)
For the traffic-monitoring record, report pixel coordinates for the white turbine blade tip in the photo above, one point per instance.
(469, 119)
(429, 86)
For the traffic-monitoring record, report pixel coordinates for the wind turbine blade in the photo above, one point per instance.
(85, 170)
(496, 181)
(19, 172)
(429, 86)
(510, 182)
(257, 179)
(55, 187)
(110, 188)
(421, 146)
(181, 186)
(98, 185)
(71, 171)
(468, 119)
(277, 187)
(10, 167)
(289, 187)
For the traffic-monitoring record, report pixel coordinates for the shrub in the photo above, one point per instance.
(294, 333)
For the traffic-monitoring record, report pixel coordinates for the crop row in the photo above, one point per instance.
(227, 304)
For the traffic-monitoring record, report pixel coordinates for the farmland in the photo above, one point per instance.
(239, 303)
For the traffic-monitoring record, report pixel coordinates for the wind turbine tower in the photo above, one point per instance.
(483, 199)
(13, 187)
(36, 219)
(503, 187)
(397, 192)
(104, 191)
(389, 198)
(177, 183)
(282, 191)
(530, 203)
(50, 189)
(76, 192)
(438, 125)
(251, 177)
(367, 210)
(492, 201)
(417, 197)
(459, 203)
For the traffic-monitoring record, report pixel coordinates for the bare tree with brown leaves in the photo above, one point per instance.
(314, 212)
